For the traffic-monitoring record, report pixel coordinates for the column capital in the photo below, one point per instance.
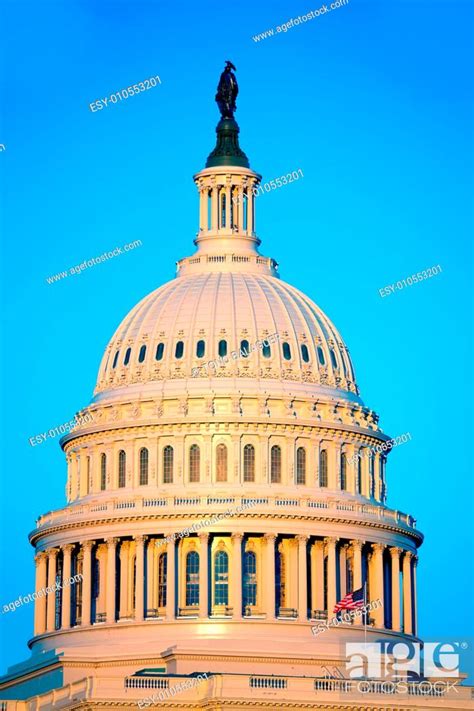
(40, 557)
(237, 537)
(270, 537)
(87, 545)
(203, 536)
(330, 542)
(395, 552)
(111, 542)
(140, 539)
(52, 552)
(408, 555)
(378, 547)
(302, 539)
(318, 545)
(415, 560)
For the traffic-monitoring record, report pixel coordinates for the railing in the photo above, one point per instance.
(137, 682)
(267, 682)
(179, 504)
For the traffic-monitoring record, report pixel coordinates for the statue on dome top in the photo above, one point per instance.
(227, 91)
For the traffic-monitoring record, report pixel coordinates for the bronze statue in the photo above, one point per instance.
(227, 91)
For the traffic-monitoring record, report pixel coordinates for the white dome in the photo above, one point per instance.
(158, 340)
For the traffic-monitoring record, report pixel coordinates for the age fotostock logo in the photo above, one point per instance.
(388, 660)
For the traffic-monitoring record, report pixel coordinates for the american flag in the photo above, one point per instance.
(351, 601)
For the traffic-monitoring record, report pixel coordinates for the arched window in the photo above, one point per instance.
(275, 464)
(221, 578)
(321, 357)
(159, 351)
(126, 360)
(223, 215)
(301, 465)
(200, 349)
(194, 463)
(286, 351)
(103, 472)
(382, 479)
(121, 473)
(143, 466)
(179, 350)
(249, 462)
(359, 474)
(222, 349)
(168, 464)
(115, 359)
(244, 349)
(250, 579)
(142, 354)
(162, 578)
(343, 472)
(305, 353)
(333, 359)
(192, 579)
(266, 350)
(221, 462)
(323, 468)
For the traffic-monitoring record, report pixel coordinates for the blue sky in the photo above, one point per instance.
(372, 101)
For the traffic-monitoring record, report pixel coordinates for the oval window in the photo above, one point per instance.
(266, 350)
(115, 359)
(305, 353)
(333, 359)
(322, 360)
(142, 354)
(179, 350)
(126, 360)
(200, 349)
(222, 349)
(286, 351)
(244, 349)
(159, 351)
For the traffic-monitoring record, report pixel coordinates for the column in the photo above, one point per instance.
(170, 581)
(334, 465)
(270, 575)
(40, 602)
(241, 209)
(86, 582)
(150, 577)
(407, 601)
(357, 564)
(228, 207)
(395, 560)
(124, 566)
(250, 209)
(66, 589)
(237, 577)
(203, 208)
(51, 596)
(214, 207)
(110, 588)
(139, 577)
(317, 576)
(332, 580)
(84, 474)
(302, 579)
(377, 591)
(415, 605)
(203, 575)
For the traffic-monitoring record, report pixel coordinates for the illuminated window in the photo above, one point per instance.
(143, 466)
(221, 578)
(162, 576)
(192, 579)
(221, 462)
(194, 463)
(103, 471)
(323, 468)
(275, 464)
(168, 464)
(249, 462)
(122, 462)
(301, 465)
(250, 579)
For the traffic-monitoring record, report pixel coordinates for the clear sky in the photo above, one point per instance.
(372, 101)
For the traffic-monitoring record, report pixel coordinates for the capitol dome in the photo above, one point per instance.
(220, 324)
